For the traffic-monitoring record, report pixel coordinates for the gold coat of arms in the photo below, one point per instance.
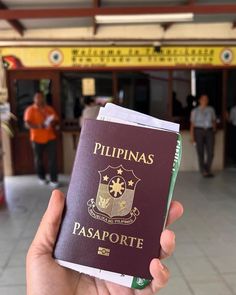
(115, 196)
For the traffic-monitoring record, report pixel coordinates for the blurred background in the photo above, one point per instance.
(156, 57)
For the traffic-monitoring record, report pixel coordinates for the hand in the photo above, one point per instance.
(46, 277)
(55, 125)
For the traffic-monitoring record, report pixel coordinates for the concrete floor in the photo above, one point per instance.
(205, 259)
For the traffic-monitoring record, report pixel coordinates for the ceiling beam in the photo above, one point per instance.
(45, 42)
(167, 26)
(14, 14)
(96, 4)
(15, 24)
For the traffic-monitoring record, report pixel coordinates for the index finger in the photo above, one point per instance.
(175, 212)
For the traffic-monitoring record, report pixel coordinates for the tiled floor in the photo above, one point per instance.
(205, 259)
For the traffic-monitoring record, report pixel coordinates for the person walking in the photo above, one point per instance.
(202, 131)
(42, 120)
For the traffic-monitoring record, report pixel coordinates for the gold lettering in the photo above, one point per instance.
(123, 240)
(142, 158)
(103, 148)
(140, 244)
(97, 147)
(125, 155)
(90, 232)
(107, 152)
(119, 153)
(105, 234)
(131, 244)
(113, 152)
(76, 227)
(82, 231)
(133, 156)
(150, 159)
(97, 235)
(116, 236)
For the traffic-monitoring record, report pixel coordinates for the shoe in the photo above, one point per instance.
(209, 175)
(42, 181)
(54, 184)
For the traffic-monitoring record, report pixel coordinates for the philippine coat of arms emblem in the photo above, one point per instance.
(115, 196)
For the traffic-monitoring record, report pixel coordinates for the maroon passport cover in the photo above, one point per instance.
(117, 198)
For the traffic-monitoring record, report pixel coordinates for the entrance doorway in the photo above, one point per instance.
(23, 86)
(230, 150)
(165, 94)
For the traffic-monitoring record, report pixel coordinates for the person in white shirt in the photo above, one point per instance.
(90, 110)
(202, 130)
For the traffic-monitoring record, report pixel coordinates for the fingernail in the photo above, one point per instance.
(161, 265)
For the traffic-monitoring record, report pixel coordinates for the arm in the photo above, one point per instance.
(29, 125)
(29, 120)
(54, 121)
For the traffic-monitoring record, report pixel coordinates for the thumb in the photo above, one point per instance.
(46, 235)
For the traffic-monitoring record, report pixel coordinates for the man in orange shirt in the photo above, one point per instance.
(42, 120)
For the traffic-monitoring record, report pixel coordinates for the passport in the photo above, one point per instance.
(119, 195)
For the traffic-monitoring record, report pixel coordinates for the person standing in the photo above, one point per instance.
(202, 131)
(90, 110)
(42, 120)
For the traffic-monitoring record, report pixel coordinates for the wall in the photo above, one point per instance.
(182, 85)
(68, 151)
(159, 90)
(158, 93)
(189, 158)
(188, 163)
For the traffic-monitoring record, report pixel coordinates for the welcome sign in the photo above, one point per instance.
(118, 57)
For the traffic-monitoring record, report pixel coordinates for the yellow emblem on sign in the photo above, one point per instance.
(115, 196)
